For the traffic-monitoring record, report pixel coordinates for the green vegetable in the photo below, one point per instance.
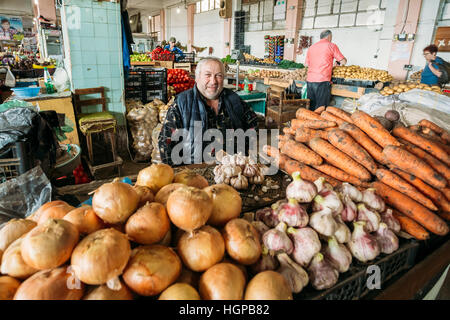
(287, 64)
(228, 59)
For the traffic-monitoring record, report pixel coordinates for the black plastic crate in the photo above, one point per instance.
(146, 84)
(15, 160)
(188, 58)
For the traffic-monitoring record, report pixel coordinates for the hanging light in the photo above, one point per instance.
(149, 17)
(36, 2)
(178, 10)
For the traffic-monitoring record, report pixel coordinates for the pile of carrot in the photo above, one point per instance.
(409, 166)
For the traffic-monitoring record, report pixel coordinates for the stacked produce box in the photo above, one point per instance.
(180, 80)
(274, 48)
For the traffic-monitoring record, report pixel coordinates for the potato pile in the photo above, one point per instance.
(263, 73)
(416, 75)
(356, 72)
(299, 74)
(405, 87)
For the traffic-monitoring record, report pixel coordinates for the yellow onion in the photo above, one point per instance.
(163, 195)
(179, 291)
(101, 257)
(53, 284)
(223, 281)
(189, 208)
(242, 241)
(50, 244)
(13, 264)
(149, 224)
(85, 219)
(114, 202)
(268, 285)
(201, 249)
(152, 269)
(240, 266)
(188, 276)
(54, 209)
(145, 195)
(191, 179)
(227, 204)
(13, 230)
(104, 293)
(8, 287)
(155, 177)
(167, 240)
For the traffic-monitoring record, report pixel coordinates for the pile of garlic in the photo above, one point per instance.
(239, 171)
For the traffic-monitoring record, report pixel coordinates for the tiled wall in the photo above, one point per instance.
(93, 39)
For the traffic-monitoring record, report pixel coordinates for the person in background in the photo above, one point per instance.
(431, 72)
(174, 49)
(209, 102)
(6, 31)
(319, 59)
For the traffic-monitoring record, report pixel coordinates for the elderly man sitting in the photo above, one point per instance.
(208, 103)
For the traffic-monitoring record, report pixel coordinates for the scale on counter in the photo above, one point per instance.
(237, 54)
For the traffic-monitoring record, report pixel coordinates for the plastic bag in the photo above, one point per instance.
(427, 98)
(10, 80)
(305, 91)
(61, 80)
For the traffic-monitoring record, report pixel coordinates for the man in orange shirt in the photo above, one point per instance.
(319, 59)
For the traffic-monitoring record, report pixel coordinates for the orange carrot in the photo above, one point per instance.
(431, 125)
(438, 198)
(371, 147)
(303, 134)
(306, 114)
(288, 130)
(427, 145)
(446, 137)
(446, 192)
(339, 174)
(344, 115)
(394, 181)
(410, 226)
(339, 159)
(306, 172)
(436, 139)
(445, 215)
(373, 129)
(437, 165)
(313, 124)
(415, 128)
(412, 164)
(300, 152)
(320, 109)
(331, 117)
(411, 209)
(280, 159)
(344, 142)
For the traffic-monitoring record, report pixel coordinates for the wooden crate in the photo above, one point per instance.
(164, 64)
(143, 63)
(347, 91)
(182, 65)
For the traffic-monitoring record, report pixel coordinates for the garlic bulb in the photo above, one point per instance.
(240, 182)
(218, 170)
(257, 179)
(323, 222)
(337, 255)
(231, 170)
(262, 169)
(328, 199)
(295, 275)
(343, 233)
(306, 244)
(240, 160)
(261, 227)
(301, 190)
(322, 184)
(266, 262)
(387, 240)
(220, 178)
(250, 170)
(321, 274)
(372, 218)
(292, 214)
(268, 216)
(347, 189)
(373, 201)
(392, 222)
(228, 160)
(363, 245)
(350, 210)
(277, 241)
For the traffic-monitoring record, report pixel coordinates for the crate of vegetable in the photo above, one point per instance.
(179, 79)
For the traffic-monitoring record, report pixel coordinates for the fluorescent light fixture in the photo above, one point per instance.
(150, 17)
(36, 2)
(178, 10)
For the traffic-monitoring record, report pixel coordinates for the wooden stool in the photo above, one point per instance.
(99, 122)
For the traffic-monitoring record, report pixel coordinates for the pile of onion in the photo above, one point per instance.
(8, 287)
(85, 219)
(104, 293)
(201, 249)
(191, 179)
(179, 291)
(50, 244)
(155, 177)
(152, 269)
(268, 285)
(13, 264)
(13, 230)
(101, 257)
(189, 208)
(145, 195)
(114, 202)
(54, 284)
(242, 241)
(163, 194)
(54, 209)
(149, 224)
(227, 204)
(188, 276)
(223, 281)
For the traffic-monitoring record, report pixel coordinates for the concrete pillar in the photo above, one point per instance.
(163, 24)
(190, 24)
(401, 51)
(227, 36)
(294, 16)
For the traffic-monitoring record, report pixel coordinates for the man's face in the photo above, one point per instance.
(172, 44)
(5, 25)
(210, 80)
